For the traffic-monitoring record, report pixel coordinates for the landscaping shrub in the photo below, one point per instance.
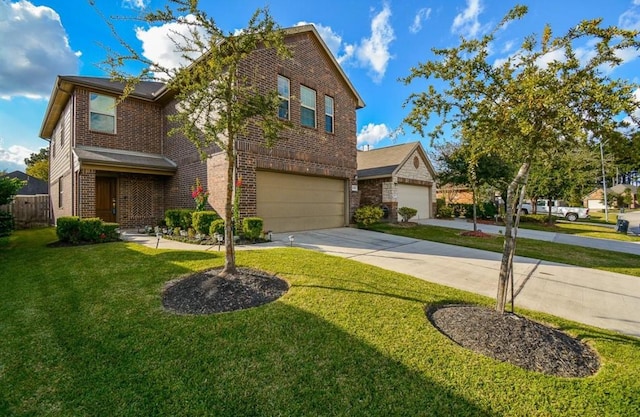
(217, 226)
(407, 213)
(444, 212)
(6, 223)
(68, 229)
(202, 220)
(489, 210)
(252, 227)
(368, 215)
(536, 218)
(178, 218)
(111, 231)
(90, 229)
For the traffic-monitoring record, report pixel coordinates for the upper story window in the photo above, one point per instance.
(102, 113)
(328, 114)
(60, 192)
(284, 92)
(307, 106)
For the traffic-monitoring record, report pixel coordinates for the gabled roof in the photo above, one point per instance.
(33, 186)
(65, 84)
(384, 162)
(151, 90)
(124, 161)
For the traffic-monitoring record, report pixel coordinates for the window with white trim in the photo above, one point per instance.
(284, 92)
(307, 107)
(102, 113)
(328, 114)
(60, 192)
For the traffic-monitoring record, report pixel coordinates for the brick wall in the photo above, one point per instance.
(87, 193)
(139, 125)
(140, 200)
(379, 192)
(301, 150)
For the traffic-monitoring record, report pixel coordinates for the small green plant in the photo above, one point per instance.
(68, 229)
(201, 220)
(407, 213)
(6, 223)
(181, 218)
(444, 212)
(217, 226)
(252, 227)
(90, 229)
(367, 215)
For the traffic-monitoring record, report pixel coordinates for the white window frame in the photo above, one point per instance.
(285, 96)
(307, 105)
(105, 111)
(329, 113)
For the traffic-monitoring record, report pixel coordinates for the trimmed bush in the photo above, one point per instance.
(444, 212)
(217, 226)
(7, 225)
(368, 215)
(90, 229)
(252, 227)
(178, 218)
(202, 220)
(536, 218)
(407, 213)
(68, 229)
(110, 231)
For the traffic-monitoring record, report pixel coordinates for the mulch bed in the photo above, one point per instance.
(515, 339)
(475, 233)
(207, 293)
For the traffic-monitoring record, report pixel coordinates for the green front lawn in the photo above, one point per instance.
(83, 332)
(581, 229)
(622, 263)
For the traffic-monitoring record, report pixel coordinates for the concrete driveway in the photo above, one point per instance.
(589, 296)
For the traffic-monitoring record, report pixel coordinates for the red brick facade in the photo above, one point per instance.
(141, 126)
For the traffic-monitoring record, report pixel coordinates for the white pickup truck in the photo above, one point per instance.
(558, 209)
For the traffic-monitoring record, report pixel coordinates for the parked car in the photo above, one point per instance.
(558, 209)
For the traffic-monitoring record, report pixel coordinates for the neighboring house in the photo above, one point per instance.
(33, 186)
(118, 163)
(397, 176)
(455, 194)
(595, 199)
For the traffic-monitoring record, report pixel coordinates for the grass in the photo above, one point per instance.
(82, 332)
(622, 263)
(594, 230)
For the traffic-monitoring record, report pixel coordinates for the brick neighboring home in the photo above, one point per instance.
(398, 176)
(595, 199)
(118, 162)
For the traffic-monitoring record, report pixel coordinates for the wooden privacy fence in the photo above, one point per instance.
(29, 210)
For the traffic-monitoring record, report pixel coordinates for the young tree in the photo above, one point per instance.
(216, 103)
(543, 98)
(38, 164)
(8, 188)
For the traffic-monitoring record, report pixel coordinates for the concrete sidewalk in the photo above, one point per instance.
(589, 242)
(598, 298)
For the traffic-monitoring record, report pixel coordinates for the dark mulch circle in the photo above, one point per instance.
(515, 339)
(207, 293)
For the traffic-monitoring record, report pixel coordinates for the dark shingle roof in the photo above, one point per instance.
(383, 161)
(33, 186)
(144, 89)
(124, 159)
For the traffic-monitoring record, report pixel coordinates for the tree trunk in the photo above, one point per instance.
(475, 211)
(230, 253)
(509, 237)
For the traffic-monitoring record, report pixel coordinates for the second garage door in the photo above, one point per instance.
(417, 197)
(289, 202)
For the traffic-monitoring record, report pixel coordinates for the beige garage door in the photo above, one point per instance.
(417, 197)
(296, 202)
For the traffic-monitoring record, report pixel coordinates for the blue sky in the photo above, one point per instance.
(376, 41)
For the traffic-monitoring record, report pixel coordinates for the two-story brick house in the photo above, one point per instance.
(116, 161)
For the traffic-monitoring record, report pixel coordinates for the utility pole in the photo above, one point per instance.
(604, 185)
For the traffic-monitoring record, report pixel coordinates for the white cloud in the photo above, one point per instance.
(135, 4)
(160, 43)
(35, 49)
(466, 23)
(342, 52)
(422, 15)
(15, 154)
(373, 52)
(630, 19)
(372, 134)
